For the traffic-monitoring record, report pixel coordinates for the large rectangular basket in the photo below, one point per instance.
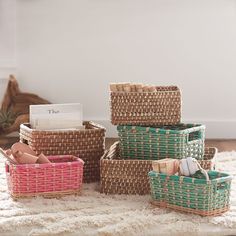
(162, 107)
(192, 195)
(131, 176)
(178, 141)
(89, 144)
(63, 176)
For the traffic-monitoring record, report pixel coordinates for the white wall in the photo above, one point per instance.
(7, 42)
(7, 33)
(70, 50)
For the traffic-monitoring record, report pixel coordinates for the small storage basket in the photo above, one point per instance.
(192, 195)
(87, 143)
(131, 176)
(162, 107)
(64, 175)
(179, 141)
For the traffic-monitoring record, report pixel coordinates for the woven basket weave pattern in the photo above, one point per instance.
(88, 144)
(63, 176)
(161, 142)
(146, 108)
(131, 176)
(190, 194)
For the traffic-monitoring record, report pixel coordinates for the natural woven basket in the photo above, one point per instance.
(63, 176)
(131, 176)
(192, 195)
(153, 143)
(162, 107)
(87, 143)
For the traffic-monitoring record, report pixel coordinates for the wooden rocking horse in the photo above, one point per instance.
(15, 107)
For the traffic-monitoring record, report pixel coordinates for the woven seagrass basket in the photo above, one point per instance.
(192, 195)
(131, 176)
(87, 143)
(162, 107)
(153, 143)
(63, 176)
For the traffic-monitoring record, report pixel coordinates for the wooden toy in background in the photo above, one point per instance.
(167, 166)
(15, 107)
(185, 167)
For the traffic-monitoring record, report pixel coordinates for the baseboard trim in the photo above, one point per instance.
(214, 129)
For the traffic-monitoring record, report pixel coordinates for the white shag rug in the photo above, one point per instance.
(98, 214)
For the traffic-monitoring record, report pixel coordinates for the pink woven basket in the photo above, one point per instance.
(64, 175)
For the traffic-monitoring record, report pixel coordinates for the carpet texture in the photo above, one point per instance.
(93, 213)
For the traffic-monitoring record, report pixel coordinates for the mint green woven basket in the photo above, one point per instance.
(192, 195)
(153, 143)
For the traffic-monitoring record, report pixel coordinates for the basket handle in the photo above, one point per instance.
(113, 151)
(223, 184)
(25, 132)
(204, 172)
(194, 136)
(220, 187)
(24, 140)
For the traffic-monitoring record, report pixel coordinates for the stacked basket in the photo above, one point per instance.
(88, 144)
(150, 128)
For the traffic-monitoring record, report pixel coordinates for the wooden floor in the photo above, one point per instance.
(221, 144)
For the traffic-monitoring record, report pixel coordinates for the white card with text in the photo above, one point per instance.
(56, 116)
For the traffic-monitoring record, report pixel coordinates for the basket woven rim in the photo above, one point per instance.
(162, 128)
(172, 88)
(115, 146)
(96, 126)
(222, 178)
(75, 161)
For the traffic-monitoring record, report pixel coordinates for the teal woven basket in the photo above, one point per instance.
(192, 195)
(153, 143)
